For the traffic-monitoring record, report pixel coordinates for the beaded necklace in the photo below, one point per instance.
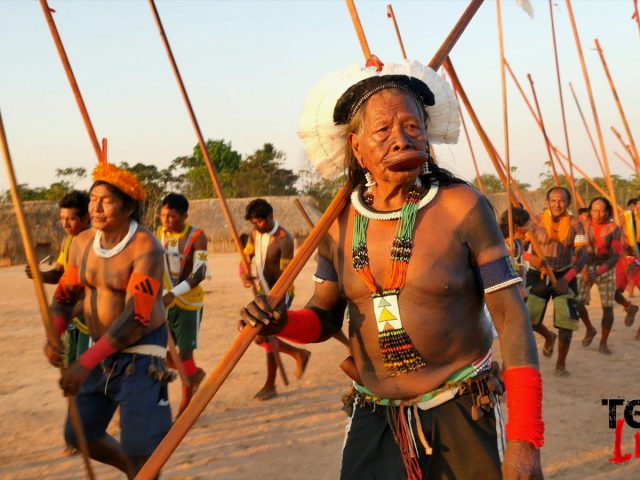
(398, 353)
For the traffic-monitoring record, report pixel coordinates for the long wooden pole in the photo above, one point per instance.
(564, 118)
(625, 161)
(211, 169)
(357, 25)
(41, 296)
(623, 117)
(233, 354)
(627, 148)
(544, 130)
(392, 16)
(71, 77)
(473, 155)
(603, 151)
(505, 123)
(586, 127)
(636, 15)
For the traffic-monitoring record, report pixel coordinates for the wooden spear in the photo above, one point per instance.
(603, 151)
(627, 147)
(586, 127)
(473, 156)
(277, 293)
(50, 330)
(392, 16)
(505, 123)
(564, 119)
(623, 117)
(636, 16)
(624, 160)
(71, 77)
(212, 172)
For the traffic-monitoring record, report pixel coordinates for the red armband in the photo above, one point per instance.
(527, 256)
(523, 386)
(68, 286)
(602, 269)
(570, 275)
(98, 352)
(303, 326)
(59, 324)
(144, 290)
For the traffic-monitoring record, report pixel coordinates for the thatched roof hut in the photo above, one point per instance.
(47, 234)
(206, 214)
(535, 199)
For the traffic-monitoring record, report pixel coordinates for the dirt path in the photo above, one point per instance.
(299, 434)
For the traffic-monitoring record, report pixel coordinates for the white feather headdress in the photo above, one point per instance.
(324, 141)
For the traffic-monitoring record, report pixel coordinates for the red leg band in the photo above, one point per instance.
(524, 403)
(98, 352)
(570, 275)
(189, 366)
(267, 346)
(303, 326)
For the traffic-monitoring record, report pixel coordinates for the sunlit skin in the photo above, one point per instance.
(558, 203)
(599, 212)
(171, 220)
(107, 214)
(72, 224)
(440, 305)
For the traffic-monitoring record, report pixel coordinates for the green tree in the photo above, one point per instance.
(321, 189)
(261, 173)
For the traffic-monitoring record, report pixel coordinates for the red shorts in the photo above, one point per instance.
(627, 269)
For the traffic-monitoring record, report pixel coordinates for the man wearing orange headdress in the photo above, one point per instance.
(117, 265)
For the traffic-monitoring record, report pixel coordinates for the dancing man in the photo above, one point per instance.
(412, 259)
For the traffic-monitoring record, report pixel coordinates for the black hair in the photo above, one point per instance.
(127, 201)
(244, 238)
(77, 200)
(519, 216)
(177, 202)
(564, 189)
(632, 201)
(607, 205)
(583, 210)
(258, 208)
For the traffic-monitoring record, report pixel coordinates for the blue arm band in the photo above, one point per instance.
(325, 271)
(498, 274)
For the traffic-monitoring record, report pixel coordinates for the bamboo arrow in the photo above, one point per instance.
(275, 296)
(586, 127)
(50, 330)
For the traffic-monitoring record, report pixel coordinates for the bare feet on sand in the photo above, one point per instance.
(549, 343)
(301, 362)
(562, 372)
(588, 337)
(631, 315)
(604, 349)
(266, 393)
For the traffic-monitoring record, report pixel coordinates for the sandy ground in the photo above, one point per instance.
(299, 434)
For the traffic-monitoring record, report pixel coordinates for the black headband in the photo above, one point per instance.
(351, 100)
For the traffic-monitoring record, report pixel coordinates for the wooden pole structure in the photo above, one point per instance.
(568, 175)
(41, 296)
(362, 39)
(211, 169)
(544, 130)
(586, 127)
(392, 16)
(473, 156)
(623, 117)
(233, 354)
(505, 123)
(627, 147)
(71, 77)
(564, 118)
(603, 151)
(304, 213)
(625, 161)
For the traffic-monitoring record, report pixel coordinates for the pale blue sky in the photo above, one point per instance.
(249, 64)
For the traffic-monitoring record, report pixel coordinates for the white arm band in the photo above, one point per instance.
(180, 289)
(199, 260)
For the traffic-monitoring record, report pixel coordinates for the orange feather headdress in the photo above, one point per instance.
(123, 180)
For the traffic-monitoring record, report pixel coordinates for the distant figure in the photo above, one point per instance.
(271, 247)
(627, 271)
(185, 267)
(604, 248)
(562, 241)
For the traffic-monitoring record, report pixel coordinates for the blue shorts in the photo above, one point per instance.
(145, 414)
